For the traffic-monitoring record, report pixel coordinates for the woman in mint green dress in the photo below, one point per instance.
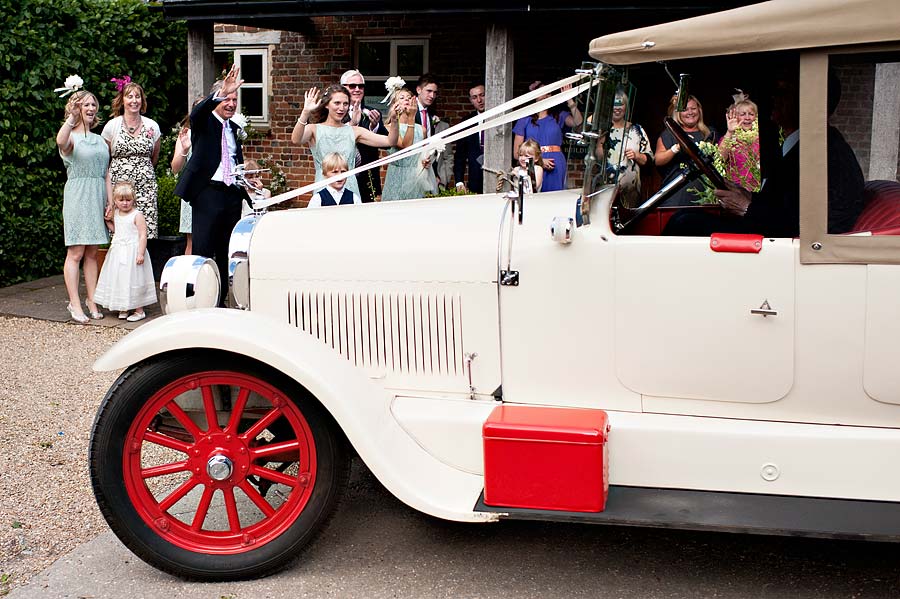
(410, 177)
(86, 157)
(321, 127)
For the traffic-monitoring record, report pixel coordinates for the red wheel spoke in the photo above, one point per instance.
(184, 420)
(202, 508)
(237, 410)
(261, 428)
(274, 476)
(258, 499)
(262, 423)
(164, 469)
(167, 441)
(209, 406)
(234, 519)
(176, 495)
(274, 448)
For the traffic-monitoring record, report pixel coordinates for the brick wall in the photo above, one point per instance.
(853, 117)
(456, 57)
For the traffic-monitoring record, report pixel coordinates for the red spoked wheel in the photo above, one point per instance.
(214, 467)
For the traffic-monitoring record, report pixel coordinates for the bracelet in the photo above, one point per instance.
(304, 123)
(71, 126)
(184, 155)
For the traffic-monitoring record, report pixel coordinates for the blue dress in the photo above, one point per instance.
(84, 198)
(335, 139)
(406, 179)
(547, 132)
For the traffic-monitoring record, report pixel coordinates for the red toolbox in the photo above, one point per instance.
(546, 458)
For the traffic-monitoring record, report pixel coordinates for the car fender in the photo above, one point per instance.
(359, 404)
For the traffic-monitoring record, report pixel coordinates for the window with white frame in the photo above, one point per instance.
(381, 57)
(254, 93)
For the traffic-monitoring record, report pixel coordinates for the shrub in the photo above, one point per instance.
(169, 205)
(45, 41)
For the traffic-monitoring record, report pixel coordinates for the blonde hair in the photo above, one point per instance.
(746, 102)
(118, 103)
(79, 96)
(332, 161)
(530, 143)
(123, 189)
(677, 115)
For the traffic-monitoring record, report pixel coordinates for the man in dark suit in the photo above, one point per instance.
(470, 149)
(370, 118)
(208, 181)
(426, 94)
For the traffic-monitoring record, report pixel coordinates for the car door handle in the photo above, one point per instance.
(765, 310)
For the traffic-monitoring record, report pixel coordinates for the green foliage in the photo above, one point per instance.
(169, 205)
(43, 42)
(444, 192)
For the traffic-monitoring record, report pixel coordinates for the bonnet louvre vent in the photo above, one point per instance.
(404, 333)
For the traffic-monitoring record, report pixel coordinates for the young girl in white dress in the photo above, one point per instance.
(126, 280)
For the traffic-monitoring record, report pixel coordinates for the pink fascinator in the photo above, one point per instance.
(121, 82)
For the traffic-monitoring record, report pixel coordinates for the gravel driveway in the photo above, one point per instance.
(47, 404)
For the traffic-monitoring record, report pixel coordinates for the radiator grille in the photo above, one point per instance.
(420, 334)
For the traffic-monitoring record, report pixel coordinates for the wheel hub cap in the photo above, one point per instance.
(219, 467)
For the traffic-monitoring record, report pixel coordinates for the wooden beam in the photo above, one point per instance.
(201, 59)
(498, 88)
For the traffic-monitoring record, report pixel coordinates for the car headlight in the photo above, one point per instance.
(187, 283)
(239, 262)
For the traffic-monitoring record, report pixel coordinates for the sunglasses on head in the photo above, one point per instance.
(355, 85)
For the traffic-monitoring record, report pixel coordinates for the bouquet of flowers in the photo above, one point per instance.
(706, 194)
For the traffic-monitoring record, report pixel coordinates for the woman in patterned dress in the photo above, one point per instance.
(321, 126)
(86, 158)
(627, 151)
(134, 147)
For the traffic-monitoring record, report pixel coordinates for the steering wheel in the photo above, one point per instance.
(703, 163)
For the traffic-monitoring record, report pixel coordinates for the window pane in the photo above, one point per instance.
(252, 68)
(863, 143)
(251, 102)
(374, 58)
(223, 61)
(410, 60)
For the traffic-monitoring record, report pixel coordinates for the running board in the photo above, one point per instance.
(731, 512)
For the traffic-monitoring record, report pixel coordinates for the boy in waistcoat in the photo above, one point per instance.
(334, 194)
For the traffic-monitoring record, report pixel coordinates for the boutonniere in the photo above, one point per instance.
(435, 120)
(241, 121)
(149, 134)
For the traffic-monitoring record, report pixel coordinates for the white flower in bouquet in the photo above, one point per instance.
(72, 84)
(392, 85)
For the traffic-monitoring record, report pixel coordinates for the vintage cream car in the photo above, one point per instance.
(560, 360)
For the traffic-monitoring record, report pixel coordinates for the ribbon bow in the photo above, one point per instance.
(72, 84)
(121, 83)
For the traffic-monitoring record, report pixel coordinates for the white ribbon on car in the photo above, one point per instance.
(488, 119)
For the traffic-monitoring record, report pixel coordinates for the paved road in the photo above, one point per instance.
(377, 547)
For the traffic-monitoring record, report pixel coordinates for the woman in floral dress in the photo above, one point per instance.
(133, 141)
(627, 151)
(739, 147)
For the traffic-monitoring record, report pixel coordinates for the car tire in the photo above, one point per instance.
(156, 468)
